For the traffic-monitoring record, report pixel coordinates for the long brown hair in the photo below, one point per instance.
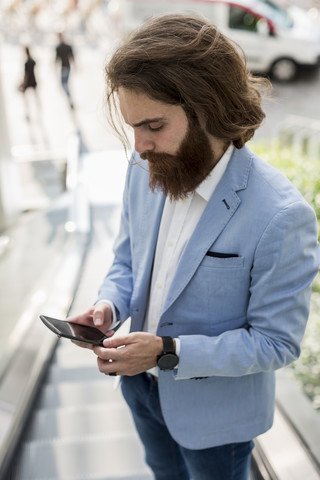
(183, 59)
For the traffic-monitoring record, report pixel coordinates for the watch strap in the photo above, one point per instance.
(168, 345)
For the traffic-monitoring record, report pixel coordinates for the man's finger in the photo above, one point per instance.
(116, 342)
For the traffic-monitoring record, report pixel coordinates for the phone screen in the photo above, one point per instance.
(74, 331)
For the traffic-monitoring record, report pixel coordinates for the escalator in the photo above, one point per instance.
(61, 419)
(79, 426)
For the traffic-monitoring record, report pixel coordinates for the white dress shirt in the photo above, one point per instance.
(179, 219)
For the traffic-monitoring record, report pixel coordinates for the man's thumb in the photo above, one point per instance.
(98, 317)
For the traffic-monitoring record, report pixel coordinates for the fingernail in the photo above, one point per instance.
(98, 321)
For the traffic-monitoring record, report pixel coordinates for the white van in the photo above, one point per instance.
(276, 41)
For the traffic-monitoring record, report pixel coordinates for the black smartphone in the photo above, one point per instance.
(74, 331)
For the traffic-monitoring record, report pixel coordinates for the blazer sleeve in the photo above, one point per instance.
(286, 260)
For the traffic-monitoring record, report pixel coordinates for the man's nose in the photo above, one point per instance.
(142, 143)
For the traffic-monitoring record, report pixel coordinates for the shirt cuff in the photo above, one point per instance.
(178, 346)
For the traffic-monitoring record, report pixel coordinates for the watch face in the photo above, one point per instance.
(168, 361)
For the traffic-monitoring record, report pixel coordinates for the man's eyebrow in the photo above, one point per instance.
(148, 120)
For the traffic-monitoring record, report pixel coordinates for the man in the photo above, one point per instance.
(65, 56)
(214, 257)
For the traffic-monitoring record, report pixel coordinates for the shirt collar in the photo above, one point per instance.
(209, 184)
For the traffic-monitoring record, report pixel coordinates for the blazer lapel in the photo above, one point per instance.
(220, 209)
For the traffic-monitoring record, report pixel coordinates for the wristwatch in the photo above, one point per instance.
(168, 358)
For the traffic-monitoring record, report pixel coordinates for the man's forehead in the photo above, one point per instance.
(138, 109)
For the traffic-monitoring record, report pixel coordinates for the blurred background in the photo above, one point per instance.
(62, 172)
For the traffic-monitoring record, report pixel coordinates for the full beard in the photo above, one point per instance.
(179, 175)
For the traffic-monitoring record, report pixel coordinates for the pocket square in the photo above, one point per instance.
(222, 255)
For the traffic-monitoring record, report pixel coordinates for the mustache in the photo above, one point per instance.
(156, 157)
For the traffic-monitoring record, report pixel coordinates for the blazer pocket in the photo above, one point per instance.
(221, 255)
(227, 262)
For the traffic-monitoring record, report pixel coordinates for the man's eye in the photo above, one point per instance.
(155, 127)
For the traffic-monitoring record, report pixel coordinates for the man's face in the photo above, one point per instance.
(177, 149)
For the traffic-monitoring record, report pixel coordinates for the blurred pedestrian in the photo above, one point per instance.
(29, 78)
(65, 56)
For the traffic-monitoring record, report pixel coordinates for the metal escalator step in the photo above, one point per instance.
(69, 355)
(78, 393)
(71, 363)
(86, 373)
(104, 458)
(71, 422)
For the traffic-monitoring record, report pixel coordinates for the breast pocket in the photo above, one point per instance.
(222, 275)
(225, 283)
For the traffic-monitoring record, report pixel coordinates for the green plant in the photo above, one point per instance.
(302, 170)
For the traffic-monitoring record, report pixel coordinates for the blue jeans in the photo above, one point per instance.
(65, 72)
(169, 460)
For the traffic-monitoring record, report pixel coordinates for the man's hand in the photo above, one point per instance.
(98, 316)
(129, 354)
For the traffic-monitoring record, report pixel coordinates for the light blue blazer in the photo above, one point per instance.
(238, 318)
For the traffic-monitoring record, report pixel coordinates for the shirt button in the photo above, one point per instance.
(159, 285)
(170, 243)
